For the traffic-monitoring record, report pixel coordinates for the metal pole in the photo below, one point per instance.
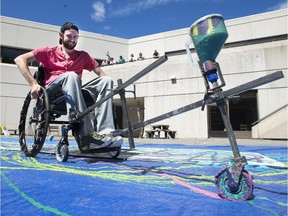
(126, 116)
(130, 81)
(221, 103)
(210, 99)
(254, 83)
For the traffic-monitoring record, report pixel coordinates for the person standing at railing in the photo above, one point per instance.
(121, 60)
(155, 54)
(141, 57)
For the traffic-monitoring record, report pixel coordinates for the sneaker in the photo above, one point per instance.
(108, 142)
(116, 141)
(95, 140)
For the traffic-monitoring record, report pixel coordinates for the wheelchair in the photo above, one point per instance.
(37, 114)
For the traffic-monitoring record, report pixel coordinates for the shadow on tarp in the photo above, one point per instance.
(151, 180)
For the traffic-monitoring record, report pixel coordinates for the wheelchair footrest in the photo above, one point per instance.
(100, 150)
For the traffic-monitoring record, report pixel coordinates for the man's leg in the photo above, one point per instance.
(70, 83)
(104, 120)
(98, 89)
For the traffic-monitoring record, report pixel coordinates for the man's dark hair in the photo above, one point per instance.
(67, 26)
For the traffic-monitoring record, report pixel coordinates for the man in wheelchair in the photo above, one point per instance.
(63, 66)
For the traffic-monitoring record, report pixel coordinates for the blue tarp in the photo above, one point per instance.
(155, 180)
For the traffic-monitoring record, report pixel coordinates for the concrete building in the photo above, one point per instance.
(256, 46)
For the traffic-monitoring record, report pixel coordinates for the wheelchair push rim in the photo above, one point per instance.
(34, 122)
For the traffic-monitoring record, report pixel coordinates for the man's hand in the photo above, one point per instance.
(35, 90)
(99, 71)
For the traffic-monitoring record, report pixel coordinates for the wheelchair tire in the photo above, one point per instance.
(62, 152)
(115, 153)
(34, 122)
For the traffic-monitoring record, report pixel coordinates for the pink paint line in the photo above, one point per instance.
(198, 190)
(184, 184)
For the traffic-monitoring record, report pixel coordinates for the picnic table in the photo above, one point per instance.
(159, 129)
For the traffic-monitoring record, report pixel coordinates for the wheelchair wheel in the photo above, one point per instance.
(116, 153)
(62, 152)
(34, 122)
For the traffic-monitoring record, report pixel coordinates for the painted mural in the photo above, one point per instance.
(150, 180)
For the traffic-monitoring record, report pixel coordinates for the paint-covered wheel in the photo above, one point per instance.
(62, 152)
(34, 122)
(243, 192)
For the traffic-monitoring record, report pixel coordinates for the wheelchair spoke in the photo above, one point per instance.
(34, 121)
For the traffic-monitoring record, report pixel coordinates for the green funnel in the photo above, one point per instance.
(208, 35)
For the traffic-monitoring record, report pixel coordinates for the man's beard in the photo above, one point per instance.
(68, 45)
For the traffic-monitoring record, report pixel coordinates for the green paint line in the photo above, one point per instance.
(31, 200)
(270, 200)
(265, 209)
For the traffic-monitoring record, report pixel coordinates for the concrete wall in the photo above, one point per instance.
(240, 63)
(29, 35)
(13, 91)
(273, 127)
(240, 29)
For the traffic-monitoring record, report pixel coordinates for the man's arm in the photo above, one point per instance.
(22, 62)
(98, 70)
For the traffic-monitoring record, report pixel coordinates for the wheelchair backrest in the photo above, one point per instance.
(60, 108)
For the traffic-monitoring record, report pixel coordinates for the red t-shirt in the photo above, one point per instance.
(55, 63)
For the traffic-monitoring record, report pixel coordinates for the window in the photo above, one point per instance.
(243, 111)
(9, 54)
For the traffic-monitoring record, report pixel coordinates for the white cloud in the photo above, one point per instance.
(138, 6)
(281, 5)
(99, 11)
(132, 7)
(107, 28)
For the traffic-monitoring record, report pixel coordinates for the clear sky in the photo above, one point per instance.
(132, 18)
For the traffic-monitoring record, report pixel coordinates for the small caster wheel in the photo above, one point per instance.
(62, 152)
(115, 153)
(243, 192)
